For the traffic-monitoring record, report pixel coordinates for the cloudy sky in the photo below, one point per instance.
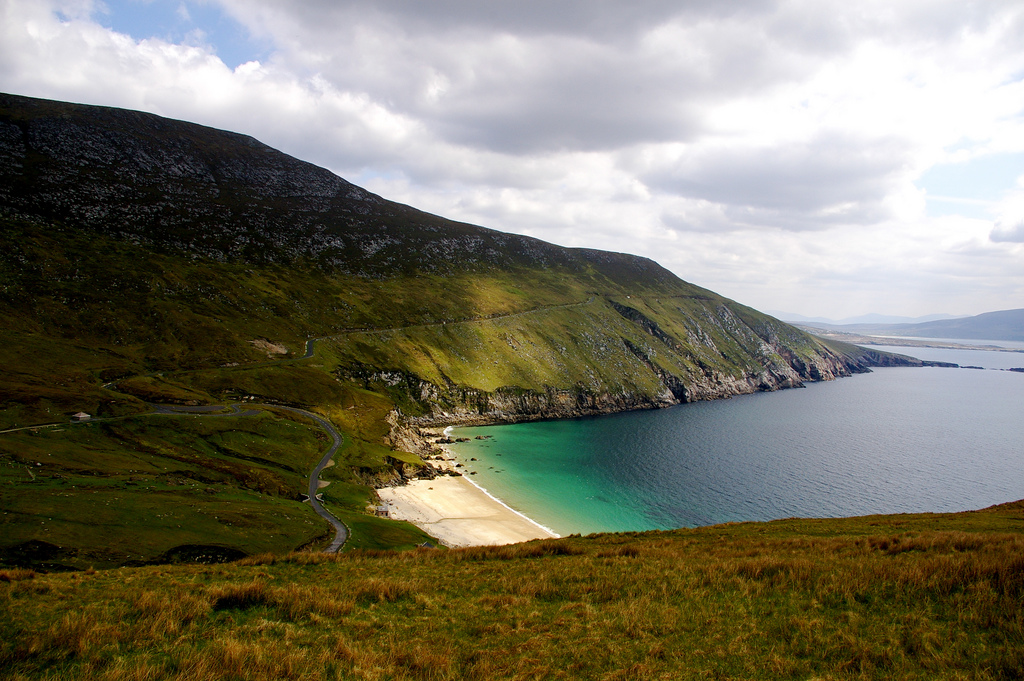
(822, 157)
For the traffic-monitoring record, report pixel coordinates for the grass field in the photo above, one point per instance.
(899, 597)
(155, 488)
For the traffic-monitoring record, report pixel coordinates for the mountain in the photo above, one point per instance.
(180, 188)
(871, 318)
(145, 260)
(1006, 325)
(874, 318)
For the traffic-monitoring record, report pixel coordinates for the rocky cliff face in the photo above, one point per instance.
(458, 405)
(677, 374)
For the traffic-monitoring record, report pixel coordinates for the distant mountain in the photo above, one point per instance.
(793, 317)
(872, 318)
(1005, 325)
(890, 319)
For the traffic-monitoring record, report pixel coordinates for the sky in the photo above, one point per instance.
(822, 157)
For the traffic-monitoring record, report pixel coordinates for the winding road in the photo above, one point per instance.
(340, 530)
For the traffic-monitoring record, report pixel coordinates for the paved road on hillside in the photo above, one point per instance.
(172, 409)
(340, 530)
(468, 320)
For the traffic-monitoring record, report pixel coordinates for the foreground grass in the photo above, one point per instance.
(926, 596)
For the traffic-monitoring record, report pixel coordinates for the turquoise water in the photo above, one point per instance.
(892, 441)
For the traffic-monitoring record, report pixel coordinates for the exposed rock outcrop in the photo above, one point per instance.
(461, 405)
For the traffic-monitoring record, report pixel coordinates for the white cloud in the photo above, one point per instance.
(1009, 228)
(1013, 232)
(765, 149)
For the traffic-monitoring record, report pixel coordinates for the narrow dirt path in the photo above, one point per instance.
(467, 320)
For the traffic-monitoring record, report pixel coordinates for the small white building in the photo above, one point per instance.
(80, 416)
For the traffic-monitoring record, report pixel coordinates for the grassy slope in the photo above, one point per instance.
(902, 597)
(178, 314)
(99, 325)
(132, 489)
(579, 344)
(77, 309)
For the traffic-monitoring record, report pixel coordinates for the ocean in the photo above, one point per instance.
(897, 440)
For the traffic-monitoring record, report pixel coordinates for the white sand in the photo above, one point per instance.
(459, 513)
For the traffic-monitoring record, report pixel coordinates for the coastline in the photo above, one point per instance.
(543, 528)
(458, 512)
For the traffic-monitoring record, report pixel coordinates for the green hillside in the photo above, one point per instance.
(147, 261)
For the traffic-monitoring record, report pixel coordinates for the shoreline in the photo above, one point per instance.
(467, 505)
(551, 407)
(451, 456)
(543, 528)
(458, 512)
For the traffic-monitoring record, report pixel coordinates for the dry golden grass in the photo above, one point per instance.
(916, 597)
(16, 575)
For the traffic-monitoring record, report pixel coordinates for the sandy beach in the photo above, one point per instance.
(459, 513)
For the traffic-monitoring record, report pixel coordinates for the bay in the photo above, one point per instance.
(897, 440)
(987, 359)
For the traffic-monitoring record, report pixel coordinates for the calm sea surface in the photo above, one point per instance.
(892, 441)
